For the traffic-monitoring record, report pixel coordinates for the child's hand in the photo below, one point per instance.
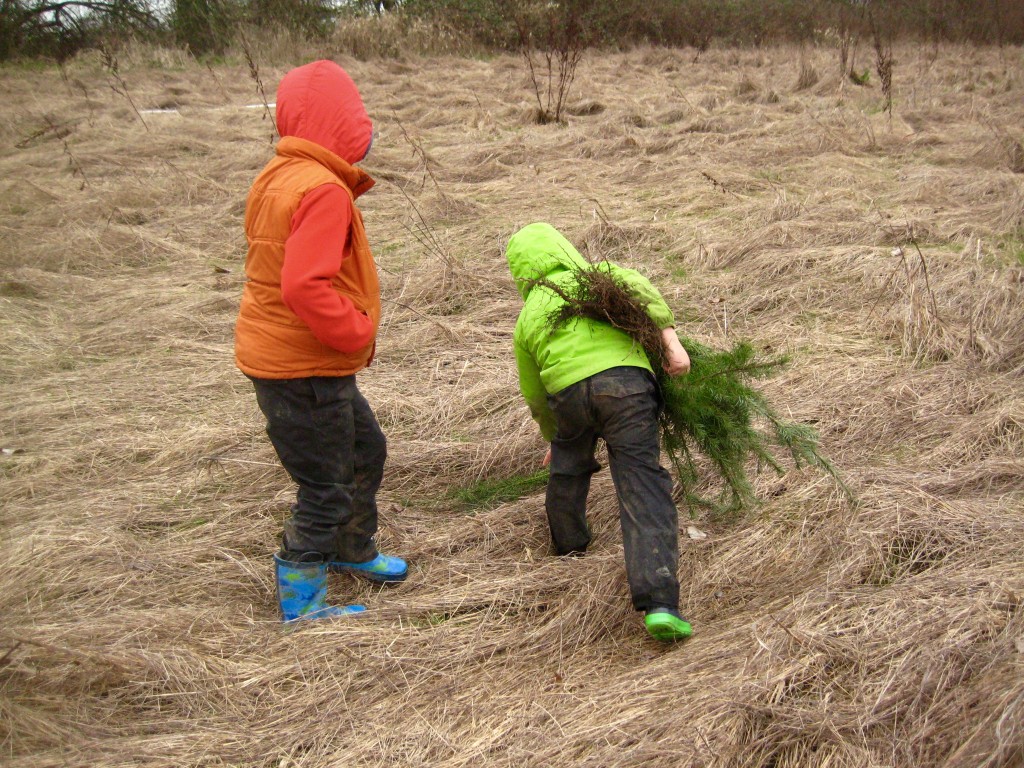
(547, 458)
(677, 362)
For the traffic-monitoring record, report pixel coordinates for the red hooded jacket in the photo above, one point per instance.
(311, 304)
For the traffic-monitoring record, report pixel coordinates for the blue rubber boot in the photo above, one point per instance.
(383, 569)
(302, 591)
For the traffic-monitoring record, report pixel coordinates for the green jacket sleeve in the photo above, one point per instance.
(643, 290)
(533, 392)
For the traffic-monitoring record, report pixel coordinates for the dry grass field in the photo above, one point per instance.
(140, 500)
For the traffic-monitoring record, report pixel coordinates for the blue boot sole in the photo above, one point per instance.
(366, 571)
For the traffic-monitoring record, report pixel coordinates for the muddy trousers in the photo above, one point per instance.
(328, 440)
(621, 406)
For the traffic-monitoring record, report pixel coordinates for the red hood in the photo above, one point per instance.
(320, 103)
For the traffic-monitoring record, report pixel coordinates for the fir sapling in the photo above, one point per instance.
(714, 411)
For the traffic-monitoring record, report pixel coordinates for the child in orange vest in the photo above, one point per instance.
(306, 327)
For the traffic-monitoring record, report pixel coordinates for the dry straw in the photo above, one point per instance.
(140, 500)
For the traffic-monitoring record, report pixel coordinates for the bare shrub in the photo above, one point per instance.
(552, 40)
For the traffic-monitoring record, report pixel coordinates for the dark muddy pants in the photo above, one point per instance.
(328, 439)
(621, 406)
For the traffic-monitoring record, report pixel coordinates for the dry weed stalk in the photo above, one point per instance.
(923, 330)
(719, 185)
(50, 126)
(442, 291)
(883, 61)
(425, 160)
(119, 86)
(220, 85)
(76, 167)
(425, 235)
(254, 75)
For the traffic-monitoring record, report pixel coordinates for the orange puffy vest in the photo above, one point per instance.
(271, 342)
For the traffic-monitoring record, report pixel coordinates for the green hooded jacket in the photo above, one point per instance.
(549, 361)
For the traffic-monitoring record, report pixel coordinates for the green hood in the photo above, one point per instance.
(549, 359)
(539, 251)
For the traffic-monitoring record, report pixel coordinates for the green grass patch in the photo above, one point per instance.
(1012, 244)
(489, 493)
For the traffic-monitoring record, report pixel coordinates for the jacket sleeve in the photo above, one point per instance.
(643, 290)
(313, 254)
(533, 391)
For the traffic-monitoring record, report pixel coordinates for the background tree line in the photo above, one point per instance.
(61, 28)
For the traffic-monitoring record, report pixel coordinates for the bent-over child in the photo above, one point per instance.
(585, 380)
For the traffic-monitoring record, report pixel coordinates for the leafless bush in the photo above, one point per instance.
(552, 40)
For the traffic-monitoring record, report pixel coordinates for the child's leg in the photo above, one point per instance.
(572, 464)
(626, 402)
(311, 426)
(355, 542)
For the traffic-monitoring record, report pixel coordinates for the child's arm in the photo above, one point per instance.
(677, 362)
(312, 257)
(533, 391)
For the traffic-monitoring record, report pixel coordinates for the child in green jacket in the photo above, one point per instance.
(586, 380)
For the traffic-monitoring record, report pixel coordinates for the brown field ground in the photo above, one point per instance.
(771, 201)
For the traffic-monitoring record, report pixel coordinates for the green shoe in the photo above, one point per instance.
(666, 625)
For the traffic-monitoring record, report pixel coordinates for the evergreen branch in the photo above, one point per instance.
(714, 411)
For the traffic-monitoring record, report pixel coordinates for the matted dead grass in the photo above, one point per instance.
(141, 501)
